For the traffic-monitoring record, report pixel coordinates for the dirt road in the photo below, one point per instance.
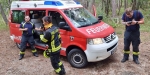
(30, 65)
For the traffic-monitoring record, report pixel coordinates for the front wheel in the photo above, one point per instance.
(77, 58)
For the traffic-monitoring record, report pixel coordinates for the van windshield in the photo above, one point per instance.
(80, 17)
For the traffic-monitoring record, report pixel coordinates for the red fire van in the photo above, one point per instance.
(84, 37)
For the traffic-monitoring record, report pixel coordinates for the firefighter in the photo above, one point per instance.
(132, 20)
(52, 38)
(27, 28)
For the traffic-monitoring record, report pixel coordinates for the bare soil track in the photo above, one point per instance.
(30, 65)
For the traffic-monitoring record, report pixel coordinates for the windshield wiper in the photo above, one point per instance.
(84, 25)
(95, 22)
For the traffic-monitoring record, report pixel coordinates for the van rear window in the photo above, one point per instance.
(17, 16)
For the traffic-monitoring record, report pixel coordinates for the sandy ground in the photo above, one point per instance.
(30, 65)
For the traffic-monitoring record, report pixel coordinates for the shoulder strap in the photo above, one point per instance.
(23, 24)
(31, 23)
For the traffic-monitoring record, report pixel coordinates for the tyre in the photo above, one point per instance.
(77, 58)
(18, 45)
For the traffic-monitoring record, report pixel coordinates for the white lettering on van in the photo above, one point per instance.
(16, 37)
(98, 29)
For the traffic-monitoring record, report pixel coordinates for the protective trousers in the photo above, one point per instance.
(57, 65)
(134, 38)
(24, 41)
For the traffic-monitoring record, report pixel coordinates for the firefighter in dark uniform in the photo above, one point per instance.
(52, 38)
(27, 28)
(131, 19)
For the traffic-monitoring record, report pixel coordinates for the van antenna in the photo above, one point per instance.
(17, 5)
(35, 5)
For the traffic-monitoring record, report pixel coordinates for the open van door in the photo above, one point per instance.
(17, 16)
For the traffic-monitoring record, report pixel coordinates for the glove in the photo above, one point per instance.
(46, 54)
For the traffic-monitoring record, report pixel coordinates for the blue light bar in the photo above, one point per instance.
(76, 2)
(55, 3)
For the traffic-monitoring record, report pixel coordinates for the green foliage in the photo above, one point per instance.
(2, 24)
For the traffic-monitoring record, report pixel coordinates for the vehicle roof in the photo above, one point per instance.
(58, 4)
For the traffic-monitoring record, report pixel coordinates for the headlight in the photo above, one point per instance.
(94, 41)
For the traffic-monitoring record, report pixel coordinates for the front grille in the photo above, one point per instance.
(111, 47)
(110, 38)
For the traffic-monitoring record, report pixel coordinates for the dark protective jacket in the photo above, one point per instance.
(52, 38)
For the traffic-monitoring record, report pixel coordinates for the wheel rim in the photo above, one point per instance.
(77, 58)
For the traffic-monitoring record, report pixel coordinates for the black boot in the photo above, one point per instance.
(35, 54)
(63, 69)
(135, 59)
(21, 56)
(125, 58)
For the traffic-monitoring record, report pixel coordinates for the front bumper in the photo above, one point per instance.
(102, 51)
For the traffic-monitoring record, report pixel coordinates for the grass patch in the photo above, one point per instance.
(145, 27)
(3, 26)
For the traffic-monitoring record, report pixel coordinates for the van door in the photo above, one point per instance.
(17, 16)
(56, 19)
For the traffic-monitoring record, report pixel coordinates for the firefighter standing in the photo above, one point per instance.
(131, 19)
(27, 37)
(52, 38)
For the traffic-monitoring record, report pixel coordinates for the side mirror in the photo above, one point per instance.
(63, 25)
(100, 17)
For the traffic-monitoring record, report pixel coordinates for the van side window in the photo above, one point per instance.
(56, 17)
(17, 16)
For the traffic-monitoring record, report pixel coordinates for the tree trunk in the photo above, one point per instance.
(114, 7)
(91, 3)
(119, 6)
(125, 4)
(3, 14)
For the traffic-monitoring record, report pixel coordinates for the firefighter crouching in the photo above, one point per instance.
(27, 28)
(51, 37)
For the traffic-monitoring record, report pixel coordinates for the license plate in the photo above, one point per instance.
(112, 52)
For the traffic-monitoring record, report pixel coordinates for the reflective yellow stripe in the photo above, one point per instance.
(53, 32)
(56, 49)
(136, 53)
(22, 52)
(34, 51)
(31, 23)
(49, 50)
(43, 39)
(58, 70)
(52, 37)
(59, 36)
(23, 24)
(60, 63)
(53, 48)
(52, 44)
(127, 52)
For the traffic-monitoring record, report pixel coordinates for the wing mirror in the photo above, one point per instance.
(100, 17)
(63, 25)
